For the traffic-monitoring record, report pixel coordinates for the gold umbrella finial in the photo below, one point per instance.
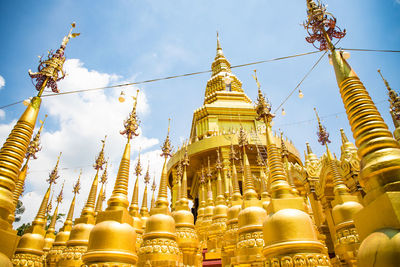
(54, 173)
(34, 145)
(323, 135)
(50, 70)
(100, 158)
(131, 124)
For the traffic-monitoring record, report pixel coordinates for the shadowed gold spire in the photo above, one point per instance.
(220, 199)
(102, 196)
(14, 149)
(50, 236)
(76, 189)
(33, 148)
(235, 182)
(112, 239)
(220, 62)
(153, 189)
(144, 212)
(134, 207)
(119, 196)
(162, 198)
(88, 210)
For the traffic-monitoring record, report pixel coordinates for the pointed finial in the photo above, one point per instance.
(232, 154)
(60, 195)
(50, 203)
(263, 107)
(138, 168)
(54, 174)
(242, 138)
(147, 176)
(394, 98)
(259, 159)
(185, 160)
(284, 150)
(323, 135)
(51, 68)
(166, 148)
(154, 186)
(344, 137)
(209, 174)
(218, 163)
(100, 158)
(34, 145)
(131, 124)
(321, 26)
(104, 176)
(77, 185)
(309, 150)
(219, 48)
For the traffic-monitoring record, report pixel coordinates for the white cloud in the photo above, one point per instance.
(2, 114)
(81, 121)
(2, 82)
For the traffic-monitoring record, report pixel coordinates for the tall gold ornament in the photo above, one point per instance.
(289, 233)
(200, 212)
(350, 165)
(153, 189)
(265, 195)
(228, 253)
(62, 236)
(394, 101)
(187, 238)
(144, 211)
(30, 247)
(344, 206)
(112, 240)
(209, 210)
(33, 148)
(50, 236)
(250, 218)
(378, 150)
(287, 166)
(102, 192)
(159, 247)
(220, 216)
(15, 148)
(134, 207)
(79, 236)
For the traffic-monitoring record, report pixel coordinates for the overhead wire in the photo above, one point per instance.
(205, 71)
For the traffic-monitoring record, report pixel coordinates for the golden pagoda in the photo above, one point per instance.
(79, 236)
(62, 236)
(30, 246)
(160, 247)
(16, 146)
(276, 212)
(112, 241)
(215, 126)
(50, 236)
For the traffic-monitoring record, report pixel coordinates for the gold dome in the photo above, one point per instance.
(289, 225)
(111, 241)
(345, 212)
(251, 216)
(381, 248)
(160, 223)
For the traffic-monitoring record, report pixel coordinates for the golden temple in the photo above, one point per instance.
(255, 202)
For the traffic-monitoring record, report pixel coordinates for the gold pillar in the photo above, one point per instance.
(289, 233)
(112, 240)
(250, 219)
(134, 207)
(235, 206)
(379, 153)
(63, 235)
(78, 240)
(219, 219)
(159, 246)
(187, 237)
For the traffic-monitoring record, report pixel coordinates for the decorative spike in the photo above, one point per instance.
(284, 150)
(344, 137)
(131, 124)
(323, 135)
(54, 174)
(162, 198)
(138, 168)
(76, 189)
(100, 158)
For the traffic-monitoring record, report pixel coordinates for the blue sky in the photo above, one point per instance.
(138, 40)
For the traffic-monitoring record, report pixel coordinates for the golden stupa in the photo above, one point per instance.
(255, 203)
